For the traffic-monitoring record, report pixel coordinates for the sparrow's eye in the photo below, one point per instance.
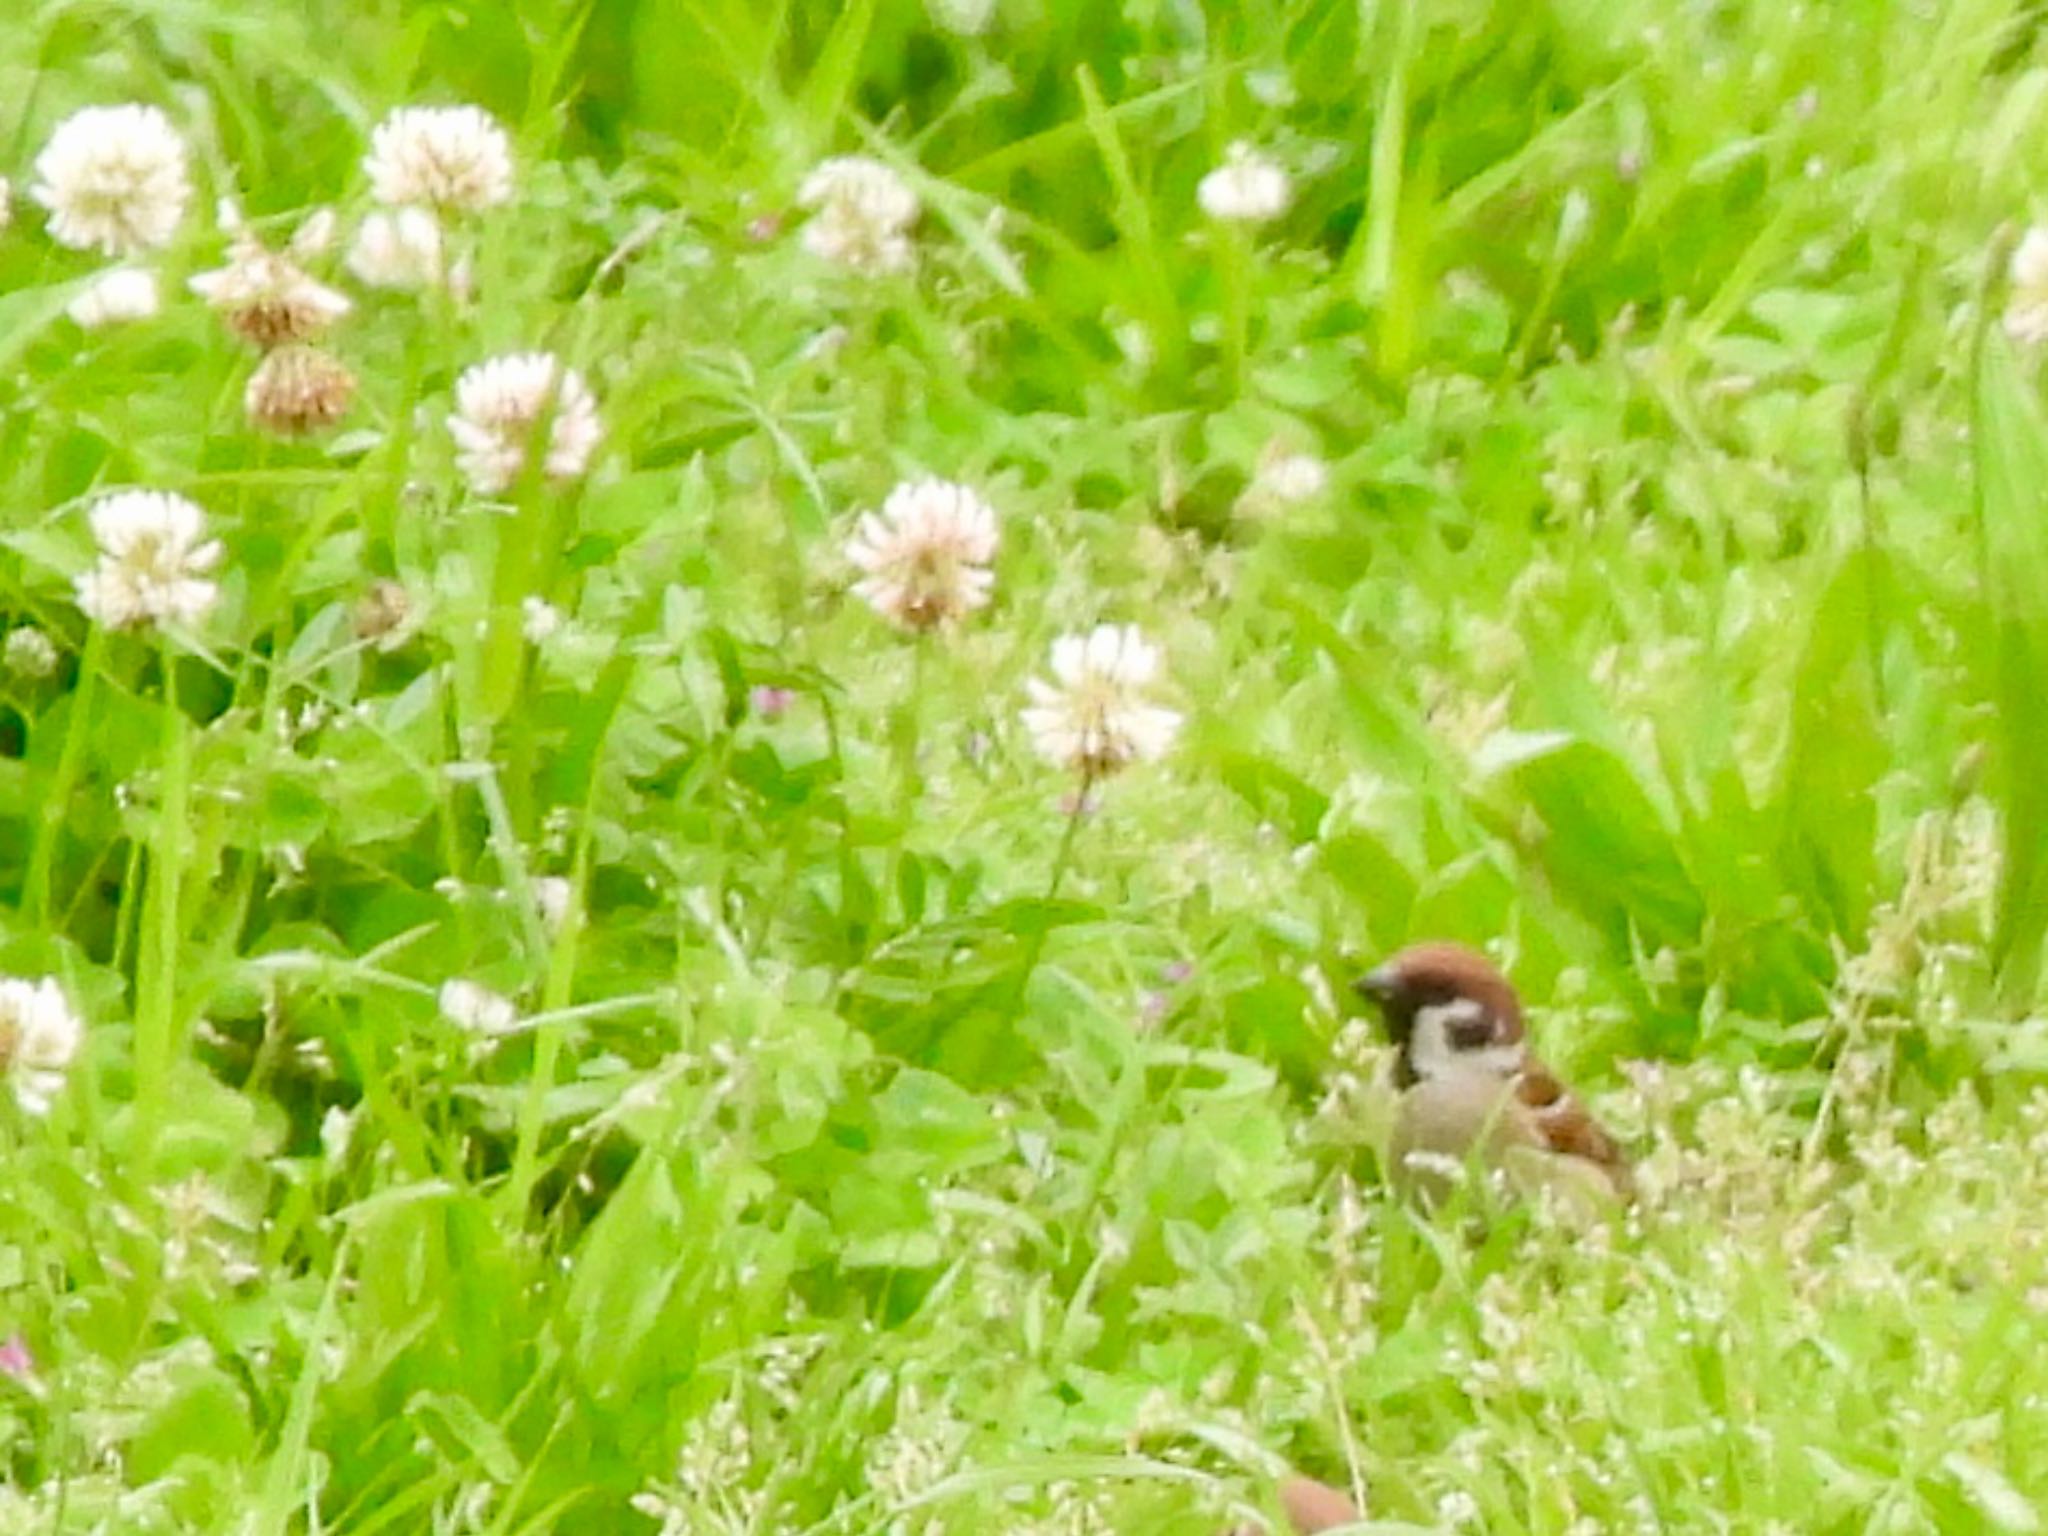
(1470, 1034)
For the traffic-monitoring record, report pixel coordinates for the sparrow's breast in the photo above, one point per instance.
(1442, 1122)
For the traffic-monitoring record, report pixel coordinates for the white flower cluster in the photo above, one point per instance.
(1248, 188)
(861, 214)
(113, 180)
(456, 159)
(474, 1008)
(501, 402)
(925, 556)
(399, 248)
(39, 1036)
(115, 296)
(1095, 718)
(427, 164)
(153, 560)
(29, 653)
(1284, 477)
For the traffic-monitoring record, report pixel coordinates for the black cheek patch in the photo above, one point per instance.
(1469, 1034)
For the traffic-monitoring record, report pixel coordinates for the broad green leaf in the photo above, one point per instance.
(1601, 842)
(1826, 794)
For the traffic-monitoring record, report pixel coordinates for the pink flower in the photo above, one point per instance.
(15, 1360)
(771, 703)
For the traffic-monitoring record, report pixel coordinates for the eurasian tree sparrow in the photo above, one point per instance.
(1469, 1083)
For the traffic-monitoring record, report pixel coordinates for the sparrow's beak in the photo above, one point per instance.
(1378, 986)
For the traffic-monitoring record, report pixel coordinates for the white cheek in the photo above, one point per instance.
(1431, 1053)
(1429, 1048)
(1499, 1060)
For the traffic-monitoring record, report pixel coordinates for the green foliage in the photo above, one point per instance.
(2012, 458)
(896, 1135)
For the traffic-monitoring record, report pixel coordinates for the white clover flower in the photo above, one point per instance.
(29, 653)
(298, 389)
(39, 1036)
(6, 202)
(454, 158)
(116, 297)
(113, 179)
(471, 1006)
(498, 404)
(1093, 719)
(862, 211)
(265, 296)
(398, 249)
(924, 557)
(154, 555)
(1248, 188)
(2026, 307)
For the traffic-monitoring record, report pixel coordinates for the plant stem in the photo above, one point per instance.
(906, 730)
(1065, 856)
(1235, 251)
(56, 804)
(1034, 946)
(157, 967)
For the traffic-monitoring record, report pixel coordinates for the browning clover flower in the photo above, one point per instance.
(113, 179)
(297, 389)
(385, 615)
(154, 555)
(1248, 188)
(924, 557)
(39, 1035)
(1093, 718)
(453, 158)
(862, 213)
(265, 296)
(498, 403)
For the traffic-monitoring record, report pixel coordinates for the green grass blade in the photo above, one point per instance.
(2011, 448)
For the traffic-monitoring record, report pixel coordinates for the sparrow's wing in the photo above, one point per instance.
(1569, 1128)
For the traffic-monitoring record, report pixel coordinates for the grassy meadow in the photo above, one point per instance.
(585, 1025)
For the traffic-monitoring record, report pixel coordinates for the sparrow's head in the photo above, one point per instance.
(1447, 1009)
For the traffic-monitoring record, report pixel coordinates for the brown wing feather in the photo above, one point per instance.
(1569, 1127)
